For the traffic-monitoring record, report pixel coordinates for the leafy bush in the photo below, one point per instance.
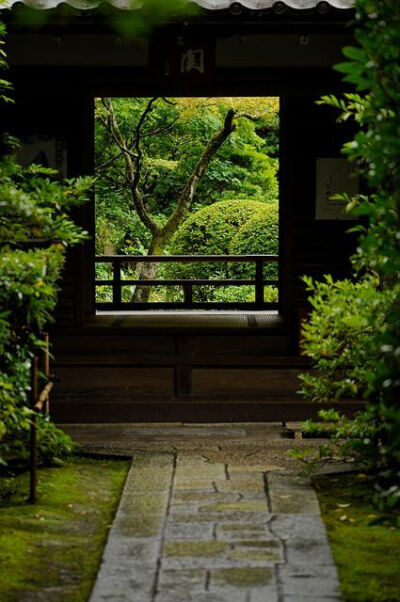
(119, 230)
(53, 443)
(240, 294)
(33, 205)
(340, 336)
(27, 296)
(257, 236)
(213, 231)
(361, 355)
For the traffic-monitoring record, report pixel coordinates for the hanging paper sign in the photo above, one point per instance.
(334, 176)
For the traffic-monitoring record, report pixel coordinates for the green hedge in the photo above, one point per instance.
(259, 235)
(231, 227)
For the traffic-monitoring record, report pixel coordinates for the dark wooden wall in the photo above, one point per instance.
(106, 375)
(313, 247)
(127, 376)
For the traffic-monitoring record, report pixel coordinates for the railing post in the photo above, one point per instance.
(116, 282)
(259, 284)
(188, 294)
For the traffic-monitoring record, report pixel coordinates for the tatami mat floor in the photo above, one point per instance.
(188, 318)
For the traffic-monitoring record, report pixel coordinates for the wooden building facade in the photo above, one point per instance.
(110, 369)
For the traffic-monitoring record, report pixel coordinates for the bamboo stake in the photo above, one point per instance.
(33, 441)
(46, 369)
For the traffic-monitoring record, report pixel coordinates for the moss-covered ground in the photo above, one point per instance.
(52, 550)
(365, 545)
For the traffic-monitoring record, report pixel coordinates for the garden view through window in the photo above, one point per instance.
(191, 178)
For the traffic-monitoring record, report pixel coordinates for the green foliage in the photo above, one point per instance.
(140, 18)
(258, 235)
(221, 229)
(152, 12)
(27, 296)
(358, 353)
(33, 205)
(28, 290)
(159, 159)
(175, 134)
(118, 229)
(53, 443)
(211, 229)
(340, 336)
(241, 294)
(358, 438)
(5, 85)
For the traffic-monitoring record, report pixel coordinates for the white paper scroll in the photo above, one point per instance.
(334, 176)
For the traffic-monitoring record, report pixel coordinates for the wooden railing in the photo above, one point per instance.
(117, 282)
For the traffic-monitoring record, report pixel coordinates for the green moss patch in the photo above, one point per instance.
(243, 577)
(257, 555)
(188, 484)
(367, 555)
(151, 472)
(201, 549)
(56, 545)
(266, 543)
(145, 514)
(241, 527)
(202, 496)
(242, 506)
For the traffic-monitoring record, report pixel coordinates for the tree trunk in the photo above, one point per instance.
(148, 271)
(162, 235)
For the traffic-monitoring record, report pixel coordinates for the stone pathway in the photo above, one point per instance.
(215, 526)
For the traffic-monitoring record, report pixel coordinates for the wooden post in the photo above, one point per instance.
(188, 294)
(116, 283)
(259, 283)
(33, 441)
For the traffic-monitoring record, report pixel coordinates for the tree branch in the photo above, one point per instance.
(160, 130)
(111, 160)
(252, 118)
(139, 154)
(168, 101)
(132, 174)
(186, 197)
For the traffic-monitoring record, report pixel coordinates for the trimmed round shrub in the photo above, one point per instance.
(212, 231)
(257, 236)
(209, 232)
